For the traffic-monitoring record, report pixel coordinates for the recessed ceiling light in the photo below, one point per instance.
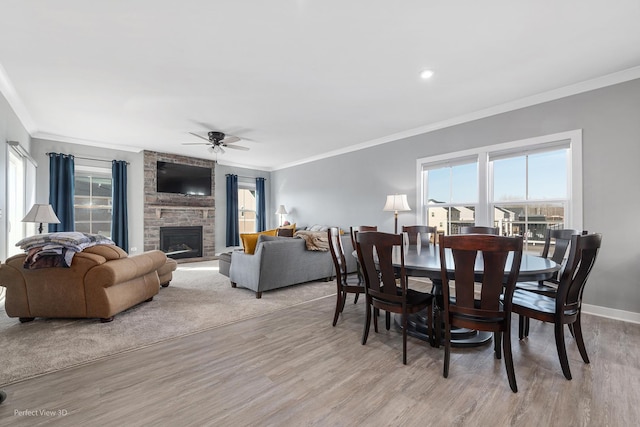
(426, 74)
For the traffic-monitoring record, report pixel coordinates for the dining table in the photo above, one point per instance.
(424, 261)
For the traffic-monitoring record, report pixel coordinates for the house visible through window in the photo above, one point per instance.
(530, 193)
(522, 187)
(246, 208)
(93, 200)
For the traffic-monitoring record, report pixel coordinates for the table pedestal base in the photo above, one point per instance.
(460, 337)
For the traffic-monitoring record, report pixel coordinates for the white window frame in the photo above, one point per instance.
(484, 211)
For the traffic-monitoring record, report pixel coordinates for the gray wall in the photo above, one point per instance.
(350, 189)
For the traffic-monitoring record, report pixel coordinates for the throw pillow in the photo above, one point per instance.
(250, 240)
(285, 232)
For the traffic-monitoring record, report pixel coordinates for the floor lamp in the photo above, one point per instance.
(396, 203)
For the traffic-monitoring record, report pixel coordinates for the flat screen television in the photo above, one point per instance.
(183, 179)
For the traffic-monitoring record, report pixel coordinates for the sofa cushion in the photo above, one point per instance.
(250, 240)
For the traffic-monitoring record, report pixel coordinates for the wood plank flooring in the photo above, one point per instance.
(292, 368)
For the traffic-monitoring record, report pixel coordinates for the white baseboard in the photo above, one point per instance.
(611, 313)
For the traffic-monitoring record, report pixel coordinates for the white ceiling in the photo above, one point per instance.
(298, 78)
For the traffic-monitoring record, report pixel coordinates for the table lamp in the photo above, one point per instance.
(396, 203)
(281, 211)
(41, 213)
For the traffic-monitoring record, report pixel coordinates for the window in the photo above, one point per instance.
(452, 193)
(246, 208)
(529, 193)
(92, 200)
(521, 187)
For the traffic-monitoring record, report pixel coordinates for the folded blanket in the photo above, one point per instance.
(58, 249)
(316, 241)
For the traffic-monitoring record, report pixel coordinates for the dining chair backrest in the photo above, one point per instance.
(424, 232)
(375, 253)
(355, 229)
(478, 229)
(495, 252)
(578, 268)
(560, 241)
(337, 253)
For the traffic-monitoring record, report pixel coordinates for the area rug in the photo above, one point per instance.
(199, 298)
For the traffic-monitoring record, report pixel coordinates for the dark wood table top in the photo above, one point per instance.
(425, 262)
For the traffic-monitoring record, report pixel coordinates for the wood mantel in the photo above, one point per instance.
(205, 210)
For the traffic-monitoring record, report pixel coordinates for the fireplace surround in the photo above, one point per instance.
(178, 210)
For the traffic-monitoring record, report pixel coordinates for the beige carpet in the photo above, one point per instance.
(198, 298)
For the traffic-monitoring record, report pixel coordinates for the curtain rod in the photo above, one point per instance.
(248, 177)
(86, 158)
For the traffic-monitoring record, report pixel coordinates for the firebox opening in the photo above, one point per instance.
(181, 242)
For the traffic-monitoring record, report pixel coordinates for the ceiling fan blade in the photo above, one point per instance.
(196, 143)
(237, 147)
(199, 136)
(230, 139)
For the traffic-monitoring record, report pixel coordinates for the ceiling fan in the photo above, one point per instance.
(218, 141)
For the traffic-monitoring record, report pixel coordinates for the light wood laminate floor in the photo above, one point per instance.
(292, 368)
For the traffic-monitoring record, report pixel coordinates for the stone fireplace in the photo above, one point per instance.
(169, 210)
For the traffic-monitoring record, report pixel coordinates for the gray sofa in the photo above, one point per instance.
(283, 261)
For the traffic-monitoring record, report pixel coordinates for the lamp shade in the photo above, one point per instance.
(396, 203)
(281, 210)
(41, 213)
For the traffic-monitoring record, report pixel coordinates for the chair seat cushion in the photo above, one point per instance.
(534, 301)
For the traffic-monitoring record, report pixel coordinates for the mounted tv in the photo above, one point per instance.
(183, 179)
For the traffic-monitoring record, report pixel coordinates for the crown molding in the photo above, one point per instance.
(86, 142)
(9, 92)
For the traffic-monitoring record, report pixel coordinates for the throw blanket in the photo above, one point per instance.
(316, 241)
(57, 249)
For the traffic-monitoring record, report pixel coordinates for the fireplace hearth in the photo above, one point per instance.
(181, 242)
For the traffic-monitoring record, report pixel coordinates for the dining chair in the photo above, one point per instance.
(478, 229)
(480, 309)
(352, 232)
(566, 306)
(423, 232)
(345, 284)
(560, 240)
(383, 292)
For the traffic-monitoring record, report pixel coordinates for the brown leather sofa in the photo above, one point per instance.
(101, 282)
